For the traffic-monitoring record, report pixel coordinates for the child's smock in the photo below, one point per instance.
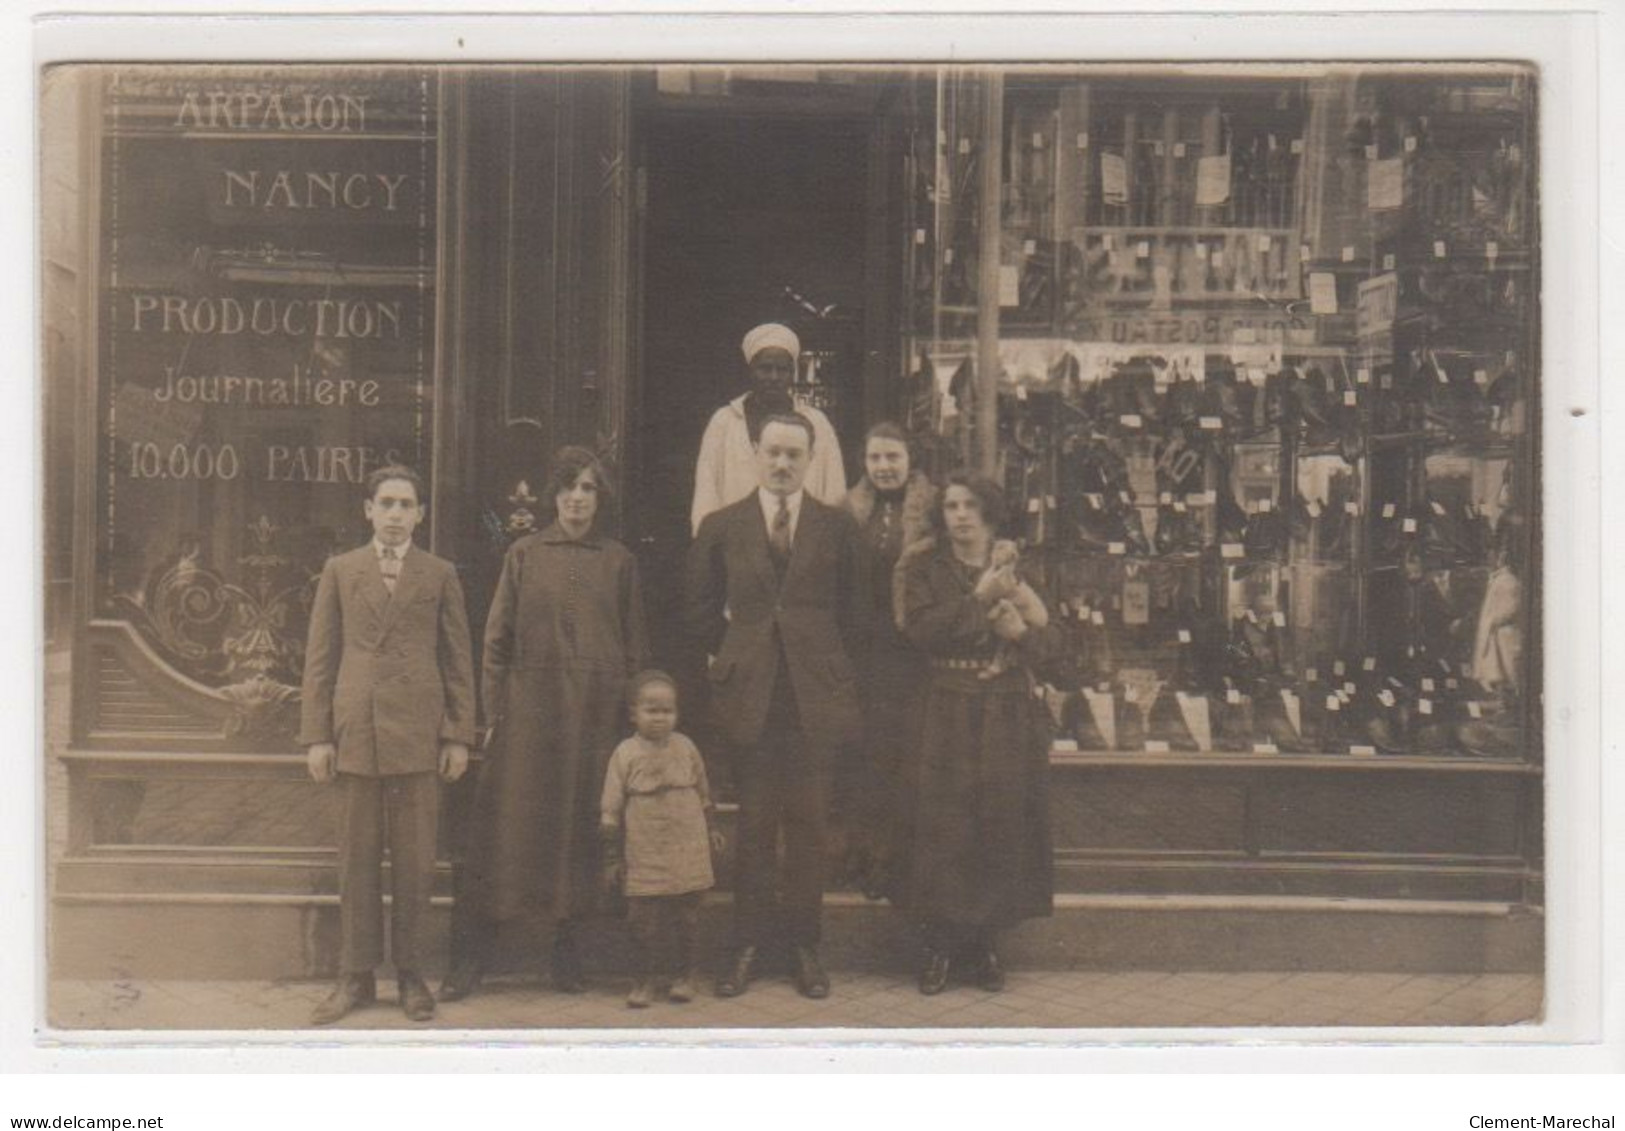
(658, 796)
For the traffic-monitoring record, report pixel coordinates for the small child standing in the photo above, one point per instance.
(656, 825)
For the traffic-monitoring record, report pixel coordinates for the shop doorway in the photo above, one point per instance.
(748, 218)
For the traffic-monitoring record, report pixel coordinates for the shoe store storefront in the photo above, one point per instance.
(1255, 356)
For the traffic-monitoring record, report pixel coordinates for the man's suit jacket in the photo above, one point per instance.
(818, 611)
(388, 677)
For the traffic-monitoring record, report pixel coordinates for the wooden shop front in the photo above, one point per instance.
(1257, 359)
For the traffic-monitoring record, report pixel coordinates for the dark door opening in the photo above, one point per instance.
(749, 219)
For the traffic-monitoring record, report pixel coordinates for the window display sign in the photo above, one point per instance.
(1378, 304)
(1158, 265)
(266, 341)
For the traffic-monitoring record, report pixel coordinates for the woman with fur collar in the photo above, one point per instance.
(892, 505)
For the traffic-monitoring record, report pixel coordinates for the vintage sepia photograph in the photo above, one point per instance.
(792, 547)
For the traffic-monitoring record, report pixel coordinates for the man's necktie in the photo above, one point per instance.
(779, 536)
(390, 563)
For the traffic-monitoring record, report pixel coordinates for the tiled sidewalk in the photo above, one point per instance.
(1038, 998)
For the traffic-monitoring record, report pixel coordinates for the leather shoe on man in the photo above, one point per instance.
(352, 992)
(737, 976)
(416, 1000)
(461, 981)
(810, 977)
(933, 972)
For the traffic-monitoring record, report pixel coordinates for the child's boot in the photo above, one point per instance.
(643, 993)
(683, 988)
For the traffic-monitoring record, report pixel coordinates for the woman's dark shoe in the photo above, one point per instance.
(990, 971)
(567, 975)
(461, 981)
(934, 972)
(810, 979)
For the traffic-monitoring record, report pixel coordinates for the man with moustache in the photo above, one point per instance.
(726, 470)
(777, 593)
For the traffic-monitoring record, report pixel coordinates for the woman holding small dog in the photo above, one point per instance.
(981, 854)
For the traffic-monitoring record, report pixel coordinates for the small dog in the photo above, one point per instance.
(1017, 595)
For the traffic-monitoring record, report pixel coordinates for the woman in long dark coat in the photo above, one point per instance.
(564, 633)
(981, 853)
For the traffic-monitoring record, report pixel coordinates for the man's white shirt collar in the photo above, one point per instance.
(378, 549)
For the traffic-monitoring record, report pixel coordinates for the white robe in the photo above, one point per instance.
(726, 469)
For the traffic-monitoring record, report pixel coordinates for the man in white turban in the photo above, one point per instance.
(726, 471)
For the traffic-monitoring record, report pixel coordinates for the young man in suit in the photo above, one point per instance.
(388, 710)
(776, 593)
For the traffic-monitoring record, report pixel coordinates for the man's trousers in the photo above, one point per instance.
(404, 811)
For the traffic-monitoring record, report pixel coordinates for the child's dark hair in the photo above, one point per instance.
(637, 683)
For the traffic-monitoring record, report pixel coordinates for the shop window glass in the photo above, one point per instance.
(267, 329)
(1266, 395)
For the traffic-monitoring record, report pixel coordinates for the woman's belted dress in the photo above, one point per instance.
(981, 852)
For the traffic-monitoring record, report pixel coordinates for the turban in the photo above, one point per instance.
(771, 335)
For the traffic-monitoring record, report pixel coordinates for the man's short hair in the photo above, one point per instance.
(794, 420)
(397, 471)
